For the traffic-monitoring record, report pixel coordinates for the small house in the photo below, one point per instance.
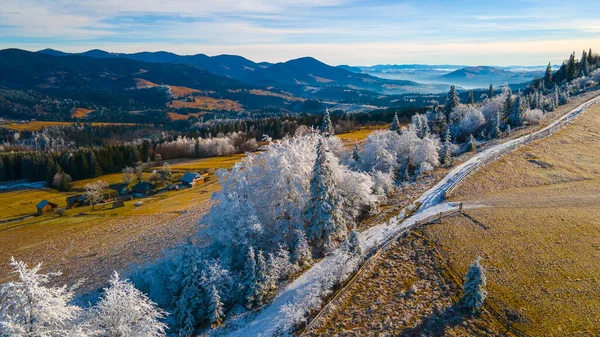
(192, 178)
(142, 187)
(45, 206)
(76, 201)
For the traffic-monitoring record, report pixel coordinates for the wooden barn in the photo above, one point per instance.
(45, 206)
(143, 187)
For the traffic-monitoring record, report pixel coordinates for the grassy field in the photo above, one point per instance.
(104, 238)
(359, 136)
(207, 103)
(538, 230)
(38, 125)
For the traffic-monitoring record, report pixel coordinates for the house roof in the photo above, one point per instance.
(143, 186)
(189, 177)
(45, 202)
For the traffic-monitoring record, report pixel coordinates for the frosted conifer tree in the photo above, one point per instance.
(189, 302)
(491, 92)
(446, 154)
(125, 311)
(452, 101)
(322, 223)
(354, 244)
(395, 123)
(249, 276)
(509, 102)
(31, 308)
(261, 281)
(215, 307)
(495, 127)
(474, 293)
(301, 255)
(471, 99)
(327, 126)
(471, 146)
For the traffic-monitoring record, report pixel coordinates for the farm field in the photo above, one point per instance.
(359, 136)
(104, 238)
(81, 113)
(38, 125)
(538, 231)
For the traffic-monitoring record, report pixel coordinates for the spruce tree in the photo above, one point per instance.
(495, 130)
(471, 99)
(583, 65)
(446, 154)
(491, 92)
(395, 123)
(215, 307)
(189, 301)
(322, 222)
(471, 146)
(571, 68)
(354, 244)
(474, 292)
(452, 101)
(327, 126)
(508, 103)
(301, 254)
(548, 75)
(249, 277)
(356, 153)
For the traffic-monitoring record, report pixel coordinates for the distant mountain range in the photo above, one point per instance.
(464, 76)
(300, 76)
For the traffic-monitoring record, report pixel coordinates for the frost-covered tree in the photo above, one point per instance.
(426, 151)
(301, 254)
(189, 301)
(249, 276)
(30, 307)
(166, 173)
(354, 244)
(139, 170)
(125, 311)
(62, 181)
(94, 192)
(446, 152)
(215, 307)
(471, 146)
(509, 102)
(322, 223)
(128, 173)
(327, 126)
(495, 127)
(395, 123)
(474, 292)
(491, 92)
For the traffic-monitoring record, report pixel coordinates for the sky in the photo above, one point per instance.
(355, 32)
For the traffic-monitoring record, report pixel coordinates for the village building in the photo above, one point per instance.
(192, 178)
(143, 187)
(45, 206)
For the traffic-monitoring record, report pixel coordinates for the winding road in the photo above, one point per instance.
(270, 320)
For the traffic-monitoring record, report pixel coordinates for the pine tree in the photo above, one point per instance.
(321, 217)
(471, 99)
(395, 123)
(404, 174)
(189, 302)
(249, 276)
(354, 244)
(452, 101)
(301, 254)
(508, 103)
(327, 126)
(215, 307)
(495, 131)
(583, 65)
(471, 146)
(548, 75)
(491, 92)
(356, 153)
(260, 286)
(474, 293)
(446, 153)
(571, 68)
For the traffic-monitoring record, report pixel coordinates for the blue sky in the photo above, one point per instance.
(335, 31)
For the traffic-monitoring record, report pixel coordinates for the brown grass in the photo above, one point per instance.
(542, 248)
(181, 117)
(81, 113)
(360, 136)
(207, 103)
(38, 125)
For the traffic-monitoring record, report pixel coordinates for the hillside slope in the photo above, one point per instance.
(537, 230)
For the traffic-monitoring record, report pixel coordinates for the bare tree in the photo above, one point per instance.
(139, 170)
(128, 173)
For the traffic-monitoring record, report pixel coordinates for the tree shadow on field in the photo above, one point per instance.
(436, 324)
